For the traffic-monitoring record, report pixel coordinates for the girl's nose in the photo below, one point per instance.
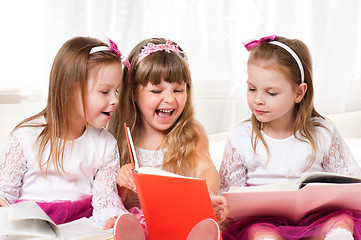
(114, 100)
(168, 97)
(259, 99)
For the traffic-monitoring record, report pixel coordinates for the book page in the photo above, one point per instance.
(28, 228)
(282, 186)
(160, 172)
(132, 148)
(84, 229)
(327, 177)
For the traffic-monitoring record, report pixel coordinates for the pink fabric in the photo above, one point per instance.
(66, 211)
(307, 227)
(138, 213)
(249, 46)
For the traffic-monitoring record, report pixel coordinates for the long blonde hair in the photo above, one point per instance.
(69, 72)
(304, 111)
(183, 136)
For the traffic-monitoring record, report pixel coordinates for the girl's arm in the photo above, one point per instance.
(205, 167)
(232, 170)
(106, 202)
(338, 157)
(206, 170)
(12, 170)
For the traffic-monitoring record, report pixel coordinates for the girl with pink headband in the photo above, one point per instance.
(285, 138)
(62, 158)
(156, 103)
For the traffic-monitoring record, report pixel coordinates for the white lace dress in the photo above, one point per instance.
(91, 163)
(146, 158)
(288, 157)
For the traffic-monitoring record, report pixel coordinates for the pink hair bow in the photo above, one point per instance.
(126, 63)
(114, 48)
(249, 46)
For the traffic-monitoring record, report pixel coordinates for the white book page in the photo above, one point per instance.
(84, 228)
(160, 172)
(24, 229)
(136, 164)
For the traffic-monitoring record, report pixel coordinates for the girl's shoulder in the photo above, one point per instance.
(241, 133)
(99, 136)
(243, 129)
(33, 127)
(324, 125)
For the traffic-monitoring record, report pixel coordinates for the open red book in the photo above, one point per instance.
(172, 204)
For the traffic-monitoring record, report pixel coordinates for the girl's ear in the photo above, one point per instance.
(300, 92)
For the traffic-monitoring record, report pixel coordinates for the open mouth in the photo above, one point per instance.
(106, 113)
(164, 113)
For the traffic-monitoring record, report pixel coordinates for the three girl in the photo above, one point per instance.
(285, 138)
(61, 157)
(156, 103)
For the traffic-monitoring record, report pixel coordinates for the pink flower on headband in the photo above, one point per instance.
(114, 48)
(126, 63)
(151, 48)
(249, 46)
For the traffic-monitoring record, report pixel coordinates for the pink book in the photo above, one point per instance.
(315, 191)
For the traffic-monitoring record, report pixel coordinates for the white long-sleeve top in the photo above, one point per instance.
(91, 163)
(287, 160)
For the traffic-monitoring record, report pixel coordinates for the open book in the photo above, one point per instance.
(313, 192)
(26, 220)
(172, 204)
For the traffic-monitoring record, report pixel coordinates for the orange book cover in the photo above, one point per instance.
(295, 200)
(172, 204)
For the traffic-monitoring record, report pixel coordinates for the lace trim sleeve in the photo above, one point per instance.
(232, 171)
(12, 169)
(106, 201)
(339, 158)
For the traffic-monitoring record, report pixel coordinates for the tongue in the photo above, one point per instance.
(163, 114)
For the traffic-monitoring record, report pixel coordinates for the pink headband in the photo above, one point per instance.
(270, 39)
(112, 47)
(167, 47)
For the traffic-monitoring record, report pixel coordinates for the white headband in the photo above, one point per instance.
(99, 49)
(294, 55)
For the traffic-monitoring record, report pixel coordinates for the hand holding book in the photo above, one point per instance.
(172, 204)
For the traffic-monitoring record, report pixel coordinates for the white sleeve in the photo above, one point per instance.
(106, 201)
(12, 169)
(339, 158)
(232, 171)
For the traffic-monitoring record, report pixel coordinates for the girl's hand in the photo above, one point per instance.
(3, 203)
(109, 223)
(220, 207)
(125, 177)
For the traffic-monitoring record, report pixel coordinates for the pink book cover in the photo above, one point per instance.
(294, 203)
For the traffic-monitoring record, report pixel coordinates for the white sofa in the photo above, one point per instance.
(347, 123)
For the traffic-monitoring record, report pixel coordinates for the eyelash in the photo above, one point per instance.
(159, 91)
(270, 93)
(106, 92)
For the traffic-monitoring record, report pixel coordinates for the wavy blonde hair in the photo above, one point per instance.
(183, 136)
(304, 111)
(69, 72)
